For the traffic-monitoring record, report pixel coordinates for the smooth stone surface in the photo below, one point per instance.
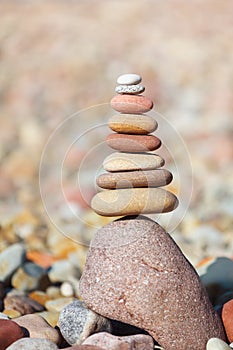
(50, 316)
(76, 323)
(132, 104)
(132, 161)
(62, 270)
(22, 304)
(133, 143)
(38, 328)
(217, 344)
(10, 259)
(130, 89)
(137, 178)
(227, 318)
(110, 342)
(133, 201)
(58, 304)
(129, 79)
(157, 288)
(33, 344)
(9, 333)
(218, 278)
(132, 124)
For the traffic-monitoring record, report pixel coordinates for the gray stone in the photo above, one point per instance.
(10, 259)
(135, 273)
(76, 323)
(110, 342)
(32, 344)
(4, 317)
(62, 270)
(218, 277)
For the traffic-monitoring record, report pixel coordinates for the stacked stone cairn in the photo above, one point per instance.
(135, 273)
(132, 184)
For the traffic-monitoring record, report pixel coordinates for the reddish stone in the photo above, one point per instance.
(9, 333)
(131, 104)
(227, 318)
(133, 143)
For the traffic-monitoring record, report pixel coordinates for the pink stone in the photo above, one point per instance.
(108, 341)
(133, 143)
(132, 104)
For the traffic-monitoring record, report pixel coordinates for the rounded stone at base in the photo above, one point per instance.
(133, 201)
(135, 273)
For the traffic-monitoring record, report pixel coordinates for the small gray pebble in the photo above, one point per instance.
(76, 323)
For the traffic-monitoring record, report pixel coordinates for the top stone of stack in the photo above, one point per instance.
(129, 79)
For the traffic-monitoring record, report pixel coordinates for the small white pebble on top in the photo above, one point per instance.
(129, 79)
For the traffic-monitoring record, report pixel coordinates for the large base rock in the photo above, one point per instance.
(135, 273)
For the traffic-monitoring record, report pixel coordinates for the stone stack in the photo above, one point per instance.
(134, 175)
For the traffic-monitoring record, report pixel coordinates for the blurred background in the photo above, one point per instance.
(59, 57)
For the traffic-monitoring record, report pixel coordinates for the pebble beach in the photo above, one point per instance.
(59, 67)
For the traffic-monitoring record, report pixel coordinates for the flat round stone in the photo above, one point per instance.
(132, 161)
(138, 178)
(133, 201)
(132, 124)
(133, 143)
(130, 89)
(129, 79)
(132, 104)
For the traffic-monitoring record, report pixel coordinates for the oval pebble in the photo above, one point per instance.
(133, 201)
(217, 344)
(129, 79)
(132, 104)
(138, 178)
(132, 161)
(133, 143)
(132, 124)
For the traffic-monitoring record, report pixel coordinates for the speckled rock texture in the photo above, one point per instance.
(135, 273)
(76, 323)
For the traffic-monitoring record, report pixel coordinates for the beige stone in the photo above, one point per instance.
(133, 201)
(132, 123)
(132, 161)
